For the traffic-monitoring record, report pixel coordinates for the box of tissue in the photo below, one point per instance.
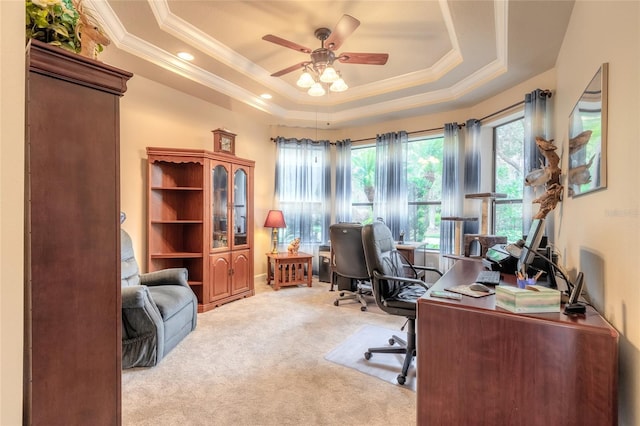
(532, 299)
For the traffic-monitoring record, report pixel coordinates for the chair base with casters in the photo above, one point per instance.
(363, 288)
(397, 285)
(407, 347)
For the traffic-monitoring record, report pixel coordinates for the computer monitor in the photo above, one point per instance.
(531, 244)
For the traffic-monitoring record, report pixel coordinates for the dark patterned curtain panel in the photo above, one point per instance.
(472, 172)
(343, 181)
(303, 191)
(536, 123)
(390, 201)
(452, 187)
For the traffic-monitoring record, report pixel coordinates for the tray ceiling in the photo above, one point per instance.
(443, 55)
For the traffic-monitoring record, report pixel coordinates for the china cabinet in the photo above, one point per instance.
(201, 218)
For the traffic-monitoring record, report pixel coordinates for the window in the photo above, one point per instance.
(303, 191)
(424, 188)
(363, 174)
(508, 178)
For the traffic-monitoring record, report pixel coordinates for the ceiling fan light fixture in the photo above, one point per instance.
(186, 56)
(316, 90)
(339, 85)
(329, 75)
(305, 80)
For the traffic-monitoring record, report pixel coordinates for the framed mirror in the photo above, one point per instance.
(588, 138)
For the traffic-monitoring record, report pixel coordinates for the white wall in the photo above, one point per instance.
(11, 209)
(599, 232)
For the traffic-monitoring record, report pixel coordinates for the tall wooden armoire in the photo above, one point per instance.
(72, 364)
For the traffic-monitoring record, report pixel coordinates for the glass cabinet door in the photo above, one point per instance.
(219, 207)
(240, 207)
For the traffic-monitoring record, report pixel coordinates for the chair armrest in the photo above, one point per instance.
(428, 268)
(401, 280)
(142, 328)
(171, 276)
(415, 268)
(135, 297)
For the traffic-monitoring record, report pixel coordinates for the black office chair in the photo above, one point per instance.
(348, 263)
(396, 288)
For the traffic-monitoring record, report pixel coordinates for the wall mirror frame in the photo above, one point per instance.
(588, 137)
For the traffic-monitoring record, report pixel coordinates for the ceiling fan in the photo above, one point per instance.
(324, 56)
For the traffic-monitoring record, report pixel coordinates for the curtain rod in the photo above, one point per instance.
(545, 92)
(274, 139)
(409, 133)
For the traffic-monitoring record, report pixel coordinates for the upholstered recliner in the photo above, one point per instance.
(158, 310)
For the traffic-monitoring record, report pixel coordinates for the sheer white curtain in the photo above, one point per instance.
(472, 172)
(343, 181)
(536, 123)
(452, 188)
(303, 191)
(391, 202)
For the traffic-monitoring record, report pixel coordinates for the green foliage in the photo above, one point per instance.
(363, 174)
(53, 22)
(509, 178)
(424, 184)
(510, 159)
(424, 187)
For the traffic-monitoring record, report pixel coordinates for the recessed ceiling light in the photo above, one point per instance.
(266, 96)
(186, 56)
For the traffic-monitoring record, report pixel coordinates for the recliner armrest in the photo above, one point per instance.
(135, 297)
(171, 276)
(142, 328)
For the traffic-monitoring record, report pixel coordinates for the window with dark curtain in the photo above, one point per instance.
(303, 191)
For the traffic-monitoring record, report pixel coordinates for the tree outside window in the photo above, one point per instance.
(424, 181)
(509, 178)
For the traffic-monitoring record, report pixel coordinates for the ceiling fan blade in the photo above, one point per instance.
(290, 69)
(286, 43)
(363, 58)
(345, 26)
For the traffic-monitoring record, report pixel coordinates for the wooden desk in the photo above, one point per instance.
(482, 365)
(289, 269)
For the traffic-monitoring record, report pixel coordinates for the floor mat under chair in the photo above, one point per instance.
(350, 353)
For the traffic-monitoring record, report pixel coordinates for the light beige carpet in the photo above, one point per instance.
(260, 361)
(350, 353)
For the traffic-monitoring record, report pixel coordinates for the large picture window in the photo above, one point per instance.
(303, 191)
(424, 188)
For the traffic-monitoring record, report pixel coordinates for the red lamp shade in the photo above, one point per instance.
(275, 219)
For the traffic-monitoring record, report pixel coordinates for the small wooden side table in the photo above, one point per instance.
(289, 269)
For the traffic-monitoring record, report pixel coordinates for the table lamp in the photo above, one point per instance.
(275, 220)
